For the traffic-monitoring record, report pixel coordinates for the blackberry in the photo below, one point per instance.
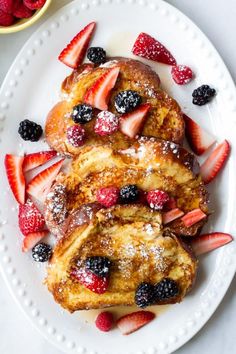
(166, 289)
(96, 55)
(145, 295)
(129, 193)
(41, 252)
(82, 113)
(98, 265)
(203, 95)
(29, 130)
(127, 101)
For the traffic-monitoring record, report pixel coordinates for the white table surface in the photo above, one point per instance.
(217, 19)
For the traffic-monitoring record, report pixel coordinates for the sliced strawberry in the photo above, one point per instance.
(215, 162)
(74, 53)
(90, 280)
(132, 123)
(193, 217)
(171, 215)
(133, 321)
(97, 95)
(148, 47)
(171, 204)
(198, 139)
(32, 239)
(208, 242)
(30, 218)
(16, 179)
(37, 159)
(39, 186)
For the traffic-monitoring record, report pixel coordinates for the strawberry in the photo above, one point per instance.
(133, 321)
(181, 74)
(39, 186)
(21, 11)
(193, 217)
(34, 4)
(171, 215)
(108, 196)
(106, 123)
(198, 139)
(157, 198)
(37, 159)
(75, 135)
(171, 204)
(208, 242)
(90, 280)
(104, 321)
(215, 162)
(30, 218)
(132, 123)
(32, 239)
(97, 95)
(74, 53)
(6, 19)
(148, 47)
(13, 165)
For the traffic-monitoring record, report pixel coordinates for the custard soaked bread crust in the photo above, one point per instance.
(131, 237)
(164, 119)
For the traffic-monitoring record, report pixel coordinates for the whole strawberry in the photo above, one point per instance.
(30, 218)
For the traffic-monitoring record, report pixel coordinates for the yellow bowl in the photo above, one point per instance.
(26, 22)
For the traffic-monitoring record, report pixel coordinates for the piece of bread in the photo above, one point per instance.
(132, 238)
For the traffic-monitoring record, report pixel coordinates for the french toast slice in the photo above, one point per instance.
(132, 238)
(164, 119)
(150, 164)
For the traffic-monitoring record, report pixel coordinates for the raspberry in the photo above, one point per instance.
(22, 11)
(106, 123)
(108, 196)
(75, 135)
(181, 74)
(157, 199)
(9, 6)
(34, 4)
(6, 19)
(104, 321)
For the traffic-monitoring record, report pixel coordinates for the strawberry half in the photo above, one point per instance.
(30, 218)
(132, 123)
(171, 215)
(37, 159)
(74, 53)
(148, 47)
(91, 281)
(40, 185)
(32, 239)
(97, 95)
(16, 179)
(193, 217)
(215, 162)
(198, 139)
(208, 242)
(133, 321)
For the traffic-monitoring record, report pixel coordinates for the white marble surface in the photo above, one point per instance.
(217, 19)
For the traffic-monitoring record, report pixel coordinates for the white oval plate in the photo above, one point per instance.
(30, 89)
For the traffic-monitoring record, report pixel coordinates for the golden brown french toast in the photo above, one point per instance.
(164, 119)
(130, 236)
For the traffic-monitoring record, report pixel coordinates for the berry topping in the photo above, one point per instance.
(6, 19)
(30, 218)
(215, 162)
(157, 199)
(193, 217)
(82, 113)
(104, 321)
(98, 265)
(108, 196)
(171, 215)
(22, 11)
(127, 101)
(208, 242)
(74, 53)
(29, 130)
(106, 123)
(198, 139)
(129, 193)
(90, 280)
(16, 179)
(37, 159)
(98, 94)
(34, 4)
(148, 47)
(96, 55)
(75, 135)
(132, 123)
(165, 289)
(32, 239)
(181, 74)
(41, 252)
(133, 321)
(203, 95)
(145, 295)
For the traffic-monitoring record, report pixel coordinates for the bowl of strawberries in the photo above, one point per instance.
(16, 15)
